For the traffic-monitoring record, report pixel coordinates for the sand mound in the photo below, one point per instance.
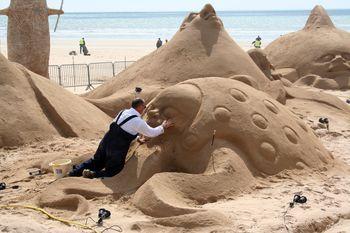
(261, 60)
(33, 108)
(175, 173)
(201, 48)
(319, 49)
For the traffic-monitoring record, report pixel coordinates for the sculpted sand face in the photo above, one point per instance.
(319, 49)
(28, 35)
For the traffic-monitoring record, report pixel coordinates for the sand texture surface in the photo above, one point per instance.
(246, 139)
(319, 52)
(33, 108)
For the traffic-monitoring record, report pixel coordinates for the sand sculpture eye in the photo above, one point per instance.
(326, 58)
(346, 56)
(153, 113)
(170, 112)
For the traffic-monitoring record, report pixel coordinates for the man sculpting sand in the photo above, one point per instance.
(111, 153)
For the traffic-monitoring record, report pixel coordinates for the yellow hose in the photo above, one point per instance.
(68, 222)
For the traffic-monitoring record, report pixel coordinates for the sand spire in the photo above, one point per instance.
(318, 18)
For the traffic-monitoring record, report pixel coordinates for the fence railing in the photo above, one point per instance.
(75, 75)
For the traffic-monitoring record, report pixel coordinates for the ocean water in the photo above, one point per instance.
(243, 26)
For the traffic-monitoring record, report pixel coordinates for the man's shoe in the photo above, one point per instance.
(88, 174)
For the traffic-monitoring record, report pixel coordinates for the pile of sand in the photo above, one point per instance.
(201, 48)
(33, 108)
(174, 174)
(318, 49)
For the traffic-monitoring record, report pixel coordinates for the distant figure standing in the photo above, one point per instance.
(166, 40)
(159, 43)
(257, 43)
(81, 44)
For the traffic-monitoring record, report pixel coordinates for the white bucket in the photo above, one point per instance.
(61, 167)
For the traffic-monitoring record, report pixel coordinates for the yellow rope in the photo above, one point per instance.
(68, 222)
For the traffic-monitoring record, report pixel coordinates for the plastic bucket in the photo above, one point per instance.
(61, 167)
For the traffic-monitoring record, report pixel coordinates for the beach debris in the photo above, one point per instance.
(35, 172)
(325, 121)
(297, 199)
(2, 186)
(102, 215)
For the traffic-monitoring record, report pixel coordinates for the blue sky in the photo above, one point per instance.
(189, 5)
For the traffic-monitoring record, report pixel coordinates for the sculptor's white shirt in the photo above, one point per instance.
(138, 125)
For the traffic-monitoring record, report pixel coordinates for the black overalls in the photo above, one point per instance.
(110, 156)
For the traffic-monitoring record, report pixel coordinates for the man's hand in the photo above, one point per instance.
(168, 123)
(142, 139)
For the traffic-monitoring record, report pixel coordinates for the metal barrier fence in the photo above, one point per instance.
(69, 75)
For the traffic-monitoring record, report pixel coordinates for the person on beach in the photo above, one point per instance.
(82, 44)
(110, 156)
(159, 43)
(257, 43)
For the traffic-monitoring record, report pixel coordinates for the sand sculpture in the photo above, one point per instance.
(33, 108)
(255, 136)
(261, 60)
(201, 48)
(28, 35)
(318, 49)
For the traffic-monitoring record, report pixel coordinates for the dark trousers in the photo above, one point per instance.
(109, 157)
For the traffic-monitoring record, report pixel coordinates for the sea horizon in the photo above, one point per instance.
(218, 11)
(242, 25)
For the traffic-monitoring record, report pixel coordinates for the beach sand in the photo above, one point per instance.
(327, 209)
(101, 50)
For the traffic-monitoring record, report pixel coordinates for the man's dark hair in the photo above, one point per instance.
(137, 102)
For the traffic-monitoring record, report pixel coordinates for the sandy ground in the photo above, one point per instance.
(101, 50)
(261, 210)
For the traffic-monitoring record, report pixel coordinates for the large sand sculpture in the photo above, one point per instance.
(33, 108)
(319, 49)
(201, 48)
(255, 136)
(28, 35)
